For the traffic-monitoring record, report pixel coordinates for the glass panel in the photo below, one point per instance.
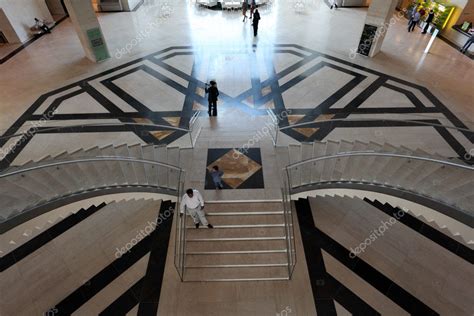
(438, 180)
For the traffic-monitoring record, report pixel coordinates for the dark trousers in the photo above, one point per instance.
(467, 45)
(255, 29)
(212, 108)
(45, 29)
(425, 29)
(411, 27)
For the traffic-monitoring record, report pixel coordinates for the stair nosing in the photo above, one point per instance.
(233, 252)
(249, 265)
(243, 213)
(240, 280)
(236, 239)
(243, 226)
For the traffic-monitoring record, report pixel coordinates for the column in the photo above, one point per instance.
(376, 25)
(88, 29)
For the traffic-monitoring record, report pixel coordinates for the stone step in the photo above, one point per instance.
(244, 245)
(243, 258)
(236, 274)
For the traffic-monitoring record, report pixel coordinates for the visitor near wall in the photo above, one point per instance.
(414, 21)
(428, 20)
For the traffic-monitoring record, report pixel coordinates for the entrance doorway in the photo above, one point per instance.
(57, 9)
(3, 39)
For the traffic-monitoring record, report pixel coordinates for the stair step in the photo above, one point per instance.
(250, 245)
(243, 213)
(241, 226)
(235, 239)
(221, 274)
(236, 252)
(236, 232)
(243, 220)
(239, 258)
(252, 265)
(244, 207)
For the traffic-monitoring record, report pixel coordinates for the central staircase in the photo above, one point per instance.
(248, 243)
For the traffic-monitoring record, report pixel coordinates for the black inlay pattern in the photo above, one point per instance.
(314, 240)
(263, 94)
(426, 230)
(147, 290)
(42, 239)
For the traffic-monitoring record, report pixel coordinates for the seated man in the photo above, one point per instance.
(41, 25)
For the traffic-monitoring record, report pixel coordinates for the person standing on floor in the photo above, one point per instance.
(244, 10)
(334, 4)
(256, 20)
(193, 203)
(469, 42)
(252, 8)
(414, 21)
(428, 20)
(216, 175)
(213, 93)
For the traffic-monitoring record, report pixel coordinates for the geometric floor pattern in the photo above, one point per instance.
(241, 169)
(300, 84)
(328, 292)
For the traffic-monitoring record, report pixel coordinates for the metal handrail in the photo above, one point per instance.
(194, 118)
(53, 128)
(179, 252)
(371, 153)
(274, 119)
(192, 122)
(100, 158)
(375, 120)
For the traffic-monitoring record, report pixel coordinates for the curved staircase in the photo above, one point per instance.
(439, 189)
(36, 187)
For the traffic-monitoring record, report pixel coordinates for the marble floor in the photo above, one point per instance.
(161, 58)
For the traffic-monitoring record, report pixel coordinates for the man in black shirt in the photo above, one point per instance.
(213, 93)
(428, 20)
(256, 19)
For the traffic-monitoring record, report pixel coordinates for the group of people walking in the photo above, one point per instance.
(254, 14)
(416, 16)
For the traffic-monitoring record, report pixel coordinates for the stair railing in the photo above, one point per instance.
(274, 125)
(139, 128)
(195, 127)
(180, 235)
(289, 228)
(423, 177)
(29, 191)
(348, 122)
